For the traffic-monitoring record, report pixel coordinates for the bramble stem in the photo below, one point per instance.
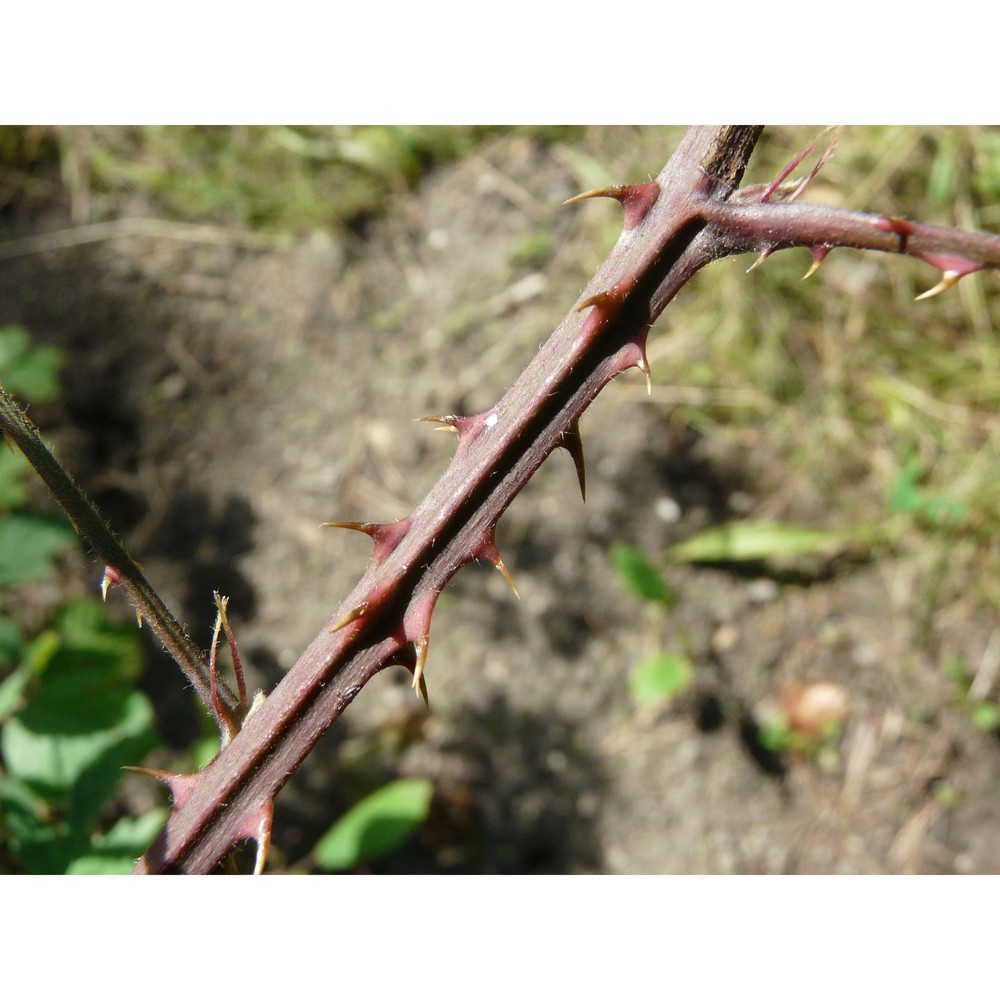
(88, 523)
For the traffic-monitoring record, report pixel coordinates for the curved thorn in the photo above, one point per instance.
(352, 616)
(952, 268)
(819, 255)
(365, 527)
(636, 199)
(505, 573)
(573, 443)
(111, 575)
(643, 365)
(609, 191)
(764, 254)
(263, 837)
(487, 549)
(449, 419)
(594, 300)
(419, 685)
(948, 278)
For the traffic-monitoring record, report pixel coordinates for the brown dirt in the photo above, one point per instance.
(221, 402)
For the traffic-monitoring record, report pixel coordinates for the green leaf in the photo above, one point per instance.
(84, 720)
(986, 716)
(41, 840)
(64, 751)
(11, 643)
(12, 690)
(956, 669)
(744, 541)
(43, 752)
(29, 543)
(776, 734)
(13, 471)
(31, 372)
(115, 852)
(906, 497)
(661, 678)
(640, 576)
(904, 494)
(376, 824)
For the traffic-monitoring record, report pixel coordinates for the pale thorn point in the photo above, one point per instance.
(813, 268)
(258, 699)
(643, 366)
(362, 526)
(505, 573)
(611, 191)
(264, 839)
(352, 616)
(111, 575)
(948, 278)
(149, 772)
(418, 668)
(593, 300)
(573, 443)
(447, 419)
(138, 617)
(760, 260)
(263, 844)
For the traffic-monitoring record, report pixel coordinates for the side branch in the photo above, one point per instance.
(122, 569)
(741, 226)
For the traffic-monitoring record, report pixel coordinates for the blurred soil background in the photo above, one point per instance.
(251, 319)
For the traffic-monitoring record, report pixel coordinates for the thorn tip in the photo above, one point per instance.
(419, 684)
(352, 616)
(505, 573)
(948, 278)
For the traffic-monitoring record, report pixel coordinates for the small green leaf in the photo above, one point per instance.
(29, 543)
(986, 716)
(11, 643)
(376, 824)
(114, 853)
(776, 734)
(31, 372)
(85, 719)
(13, 471)
(743, 541)
(12, 691)
(955, 668)
(904, 494)
(640, 576)
(661, 678)
(41, 750)
(942, 511)
(906, 497)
